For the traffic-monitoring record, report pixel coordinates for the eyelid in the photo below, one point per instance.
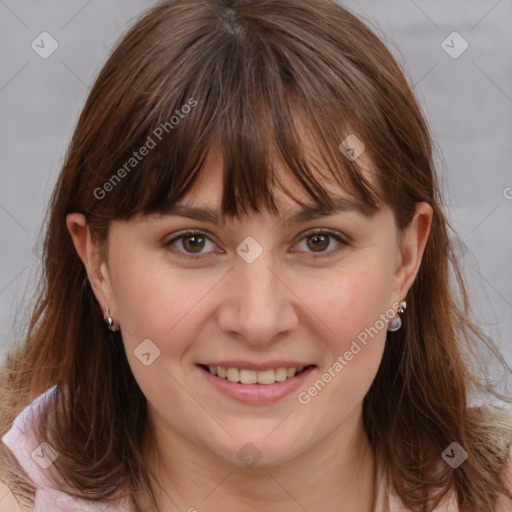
(190, 231)
(314, 231)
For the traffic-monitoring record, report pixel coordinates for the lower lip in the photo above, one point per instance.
(257, 393)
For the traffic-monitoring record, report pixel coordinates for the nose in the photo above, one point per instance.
(259, 306)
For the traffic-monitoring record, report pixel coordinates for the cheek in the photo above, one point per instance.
(153, 302)
(352, 350)
(353, 301)
(164, 307)
(355, 312)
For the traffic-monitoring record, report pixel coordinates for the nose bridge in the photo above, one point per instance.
(258, 283)
(259, 309)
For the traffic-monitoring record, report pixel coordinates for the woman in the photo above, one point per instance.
(246, 298)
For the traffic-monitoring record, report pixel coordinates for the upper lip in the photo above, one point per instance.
(249, 365)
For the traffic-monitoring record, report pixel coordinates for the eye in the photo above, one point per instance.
(190, 244)
(319, 240)
(191, 240)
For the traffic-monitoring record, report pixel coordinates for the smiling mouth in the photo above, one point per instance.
(264, 377)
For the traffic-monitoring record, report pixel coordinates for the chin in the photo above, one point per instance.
(260, 453)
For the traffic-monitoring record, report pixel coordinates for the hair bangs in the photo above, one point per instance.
(248, 100)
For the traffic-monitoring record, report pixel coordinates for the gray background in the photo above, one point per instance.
(467, 102)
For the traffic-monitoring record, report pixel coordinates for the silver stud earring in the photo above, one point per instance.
(396, 323)
(110, 322)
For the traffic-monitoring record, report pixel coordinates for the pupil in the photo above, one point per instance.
(322, 238)
(195, 244)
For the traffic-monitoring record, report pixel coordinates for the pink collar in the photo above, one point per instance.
(36, 459)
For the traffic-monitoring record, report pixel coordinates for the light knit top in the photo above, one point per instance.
(34, 458)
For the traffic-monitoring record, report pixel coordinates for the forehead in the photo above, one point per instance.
(203, 202)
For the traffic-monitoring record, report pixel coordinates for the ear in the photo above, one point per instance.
(413, 242)
(89, 251)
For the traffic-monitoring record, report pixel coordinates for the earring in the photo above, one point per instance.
(110, 322)
(396, 323)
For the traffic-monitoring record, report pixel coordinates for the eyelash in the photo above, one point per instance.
(307, 234)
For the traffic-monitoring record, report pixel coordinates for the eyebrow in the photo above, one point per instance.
(309, 213)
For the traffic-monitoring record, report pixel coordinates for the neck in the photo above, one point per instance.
(337, 474)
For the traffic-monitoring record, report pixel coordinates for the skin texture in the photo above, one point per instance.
(287, 304)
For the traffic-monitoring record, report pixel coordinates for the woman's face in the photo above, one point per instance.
(258, 294)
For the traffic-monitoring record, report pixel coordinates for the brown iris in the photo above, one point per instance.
(324, 242)
(196, 245)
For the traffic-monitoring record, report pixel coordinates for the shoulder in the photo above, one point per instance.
(494, 429)
(496, 434)
(18, 445)
(32, 462)
(8, 502)
(493, 443)
(505, 504)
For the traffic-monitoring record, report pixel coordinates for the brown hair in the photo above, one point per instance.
(247, 72)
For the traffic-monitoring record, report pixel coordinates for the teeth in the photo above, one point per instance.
(252, 376)
(266, 377)
(281, 374)
(290, 372)
(233, 374)
(248, 376)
